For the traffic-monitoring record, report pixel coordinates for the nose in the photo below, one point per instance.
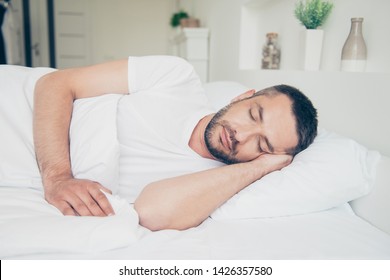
(245, 133)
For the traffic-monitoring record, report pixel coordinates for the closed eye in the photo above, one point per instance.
(269, 150)
(260, 149)
(251, 115)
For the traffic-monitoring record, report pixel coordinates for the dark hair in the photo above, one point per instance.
(304, 112)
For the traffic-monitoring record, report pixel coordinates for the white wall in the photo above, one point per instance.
(353, 104)
(224, 19)
(122, 27)
(129, 27)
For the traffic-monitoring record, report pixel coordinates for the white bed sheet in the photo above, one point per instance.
(30, 228)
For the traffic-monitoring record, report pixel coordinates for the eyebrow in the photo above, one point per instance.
(269, 145)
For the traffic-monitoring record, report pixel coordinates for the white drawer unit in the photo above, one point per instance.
(193, 45)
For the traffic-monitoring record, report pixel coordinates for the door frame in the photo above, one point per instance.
(27, 33)
(51, 33)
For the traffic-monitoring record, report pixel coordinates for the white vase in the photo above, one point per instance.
(354, 53)
(312, 49)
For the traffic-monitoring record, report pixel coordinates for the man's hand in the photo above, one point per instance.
(54, 96)
(79, 197)
(268, 163)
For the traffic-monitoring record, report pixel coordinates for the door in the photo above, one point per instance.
(39, 44)
(72, 42)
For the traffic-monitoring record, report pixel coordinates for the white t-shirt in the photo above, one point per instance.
(156, 120)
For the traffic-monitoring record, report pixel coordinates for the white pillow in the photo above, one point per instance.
(220, 93)
(18, 166)
(332, 171)
(94, 148)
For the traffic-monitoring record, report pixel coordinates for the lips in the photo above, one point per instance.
(225, 139)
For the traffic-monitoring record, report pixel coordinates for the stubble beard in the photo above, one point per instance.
(211, 128)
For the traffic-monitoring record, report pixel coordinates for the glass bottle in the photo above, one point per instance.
(271, 52)
(354, 53)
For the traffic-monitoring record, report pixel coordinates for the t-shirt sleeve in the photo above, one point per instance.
(149, 72)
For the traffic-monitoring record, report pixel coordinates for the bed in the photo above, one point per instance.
(330, 203)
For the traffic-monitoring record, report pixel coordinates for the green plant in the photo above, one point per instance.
(176, 17)
(312, 13)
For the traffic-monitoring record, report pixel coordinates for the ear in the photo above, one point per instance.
(244, 95)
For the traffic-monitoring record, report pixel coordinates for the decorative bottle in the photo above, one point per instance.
(354, 53)
(271, 52)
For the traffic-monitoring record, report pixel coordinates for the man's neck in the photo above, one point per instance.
(197, 141)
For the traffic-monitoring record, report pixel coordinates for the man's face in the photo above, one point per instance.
(246, 129)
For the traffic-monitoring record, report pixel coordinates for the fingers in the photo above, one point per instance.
(102, 206)
(270, 162)
(92, 202)
(64, 207)
(285, 160)
(79, 197)
(244, 95)
(105, 189)
(84, 205)
(281, 161)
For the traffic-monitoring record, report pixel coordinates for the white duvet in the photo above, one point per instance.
(29, 225)
(32, 229)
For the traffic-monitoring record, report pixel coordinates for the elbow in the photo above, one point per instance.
(155, 219)
(149, 219)
(55, 81)
(44, 82)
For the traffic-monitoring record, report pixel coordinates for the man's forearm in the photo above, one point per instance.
(53, 102)
(185, 201)
(52, 113)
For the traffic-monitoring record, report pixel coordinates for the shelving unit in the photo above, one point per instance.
(259, 17)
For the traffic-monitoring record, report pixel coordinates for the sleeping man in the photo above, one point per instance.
(172, 124)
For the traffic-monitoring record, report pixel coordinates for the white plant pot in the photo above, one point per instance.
(312, 49)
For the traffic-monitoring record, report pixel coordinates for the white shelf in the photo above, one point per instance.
(259, 17)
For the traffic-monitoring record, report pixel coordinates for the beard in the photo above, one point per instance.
(219, 154)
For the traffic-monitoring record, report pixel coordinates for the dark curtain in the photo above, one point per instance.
(3, 59)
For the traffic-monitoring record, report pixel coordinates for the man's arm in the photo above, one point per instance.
(53, 103)
(186, 201)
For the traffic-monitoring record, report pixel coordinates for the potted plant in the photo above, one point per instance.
(312, 14)
(177, 17)
(182, 19)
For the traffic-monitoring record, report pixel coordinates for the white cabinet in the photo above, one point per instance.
(192, 44)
